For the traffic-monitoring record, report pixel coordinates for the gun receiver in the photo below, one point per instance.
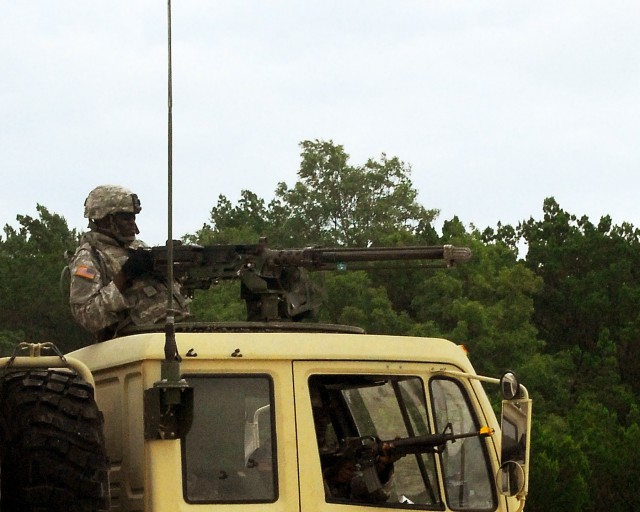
(275, 282)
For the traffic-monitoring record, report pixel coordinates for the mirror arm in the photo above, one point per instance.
(482, 378)
(524, 392)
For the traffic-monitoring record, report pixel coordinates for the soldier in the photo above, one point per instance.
(341, 476)
(112, 286)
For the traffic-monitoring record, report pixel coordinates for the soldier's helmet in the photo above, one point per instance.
(107, 199)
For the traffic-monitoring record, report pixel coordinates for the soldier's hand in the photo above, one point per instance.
(345, 473)
(342, 473)
(140, 262)
(387, 455)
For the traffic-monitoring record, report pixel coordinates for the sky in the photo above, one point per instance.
(495, 105)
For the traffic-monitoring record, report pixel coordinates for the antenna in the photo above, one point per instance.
(168, 405)
(170, 347)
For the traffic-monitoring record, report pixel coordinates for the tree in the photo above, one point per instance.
(9, 340)
(591, 276)
(613, 462)
(335, 203)
(243, 223)
(352, 299)
(560, 472)
(486, 303)
(31, 260)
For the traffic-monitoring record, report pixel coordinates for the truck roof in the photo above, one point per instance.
(275, 346)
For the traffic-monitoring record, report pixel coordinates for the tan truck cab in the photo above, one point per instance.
(276, 414)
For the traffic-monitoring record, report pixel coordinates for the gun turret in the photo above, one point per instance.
(275, 283)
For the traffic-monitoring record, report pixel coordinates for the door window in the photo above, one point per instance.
(353, 416)
(229, 452)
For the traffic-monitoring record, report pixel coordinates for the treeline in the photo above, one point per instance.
(565, 316)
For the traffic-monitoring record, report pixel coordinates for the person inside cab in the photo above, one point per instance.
(345, 475)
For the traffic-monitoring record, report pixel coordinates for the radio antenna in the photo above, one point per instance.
(168, 405)
(170, 347)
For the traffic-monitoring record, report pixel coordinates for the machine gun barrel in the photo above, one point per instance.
(318, 258)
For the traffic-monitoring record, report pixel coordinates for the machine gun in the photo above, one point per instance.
(275, 282)
(365, 452)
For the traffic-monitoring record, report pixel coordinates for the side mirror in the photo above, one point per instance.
(509, 385)
(513, 474)
(511, 479)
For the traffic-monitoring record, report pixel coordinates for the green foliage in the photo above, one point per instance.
(628, 464)
(9, 340)
(219, 304)
(243, 223)
(549, 378)
(559, 478)
(31, 260)
(591, 284)
(335, 203)
(354, 301)
(613, 463)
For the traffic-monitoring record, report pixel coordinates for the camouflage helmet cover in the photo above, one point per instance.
(107, 199)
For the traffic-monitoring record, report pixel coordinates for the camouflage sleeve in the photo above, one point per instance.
(93, 304)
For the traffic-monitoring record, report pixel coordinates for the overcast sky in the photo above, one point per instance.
(496, 105)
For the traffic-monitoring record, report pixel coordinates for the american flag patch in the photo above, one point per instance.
(86, 272)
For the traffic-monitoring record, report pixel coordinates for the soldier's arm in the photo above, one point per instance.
(94, 305)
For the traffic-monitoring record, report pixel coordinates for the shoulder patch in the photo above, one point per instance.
(86, 272)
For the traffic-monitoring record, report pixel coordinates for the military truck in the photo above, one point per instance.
(260, 415)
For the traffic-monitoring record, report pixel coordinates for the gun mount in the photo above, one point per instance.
(275, 282)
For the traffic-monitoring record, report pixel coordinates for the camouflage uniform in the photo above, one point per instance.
(97, 304)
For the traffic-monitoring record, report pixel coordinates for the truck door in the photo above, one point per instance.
(239, 454)
(341, 410)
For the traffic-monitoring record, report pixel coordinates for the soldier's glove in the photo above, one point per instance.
(140, 262)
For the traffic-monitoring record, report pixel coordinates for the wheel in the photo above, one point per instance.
(52, 450)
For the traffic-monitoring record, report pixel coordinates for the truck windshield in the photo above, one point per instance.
(350, 410)
(228, 455)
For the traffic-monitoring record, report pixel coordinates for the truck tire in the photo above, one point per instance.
(52, 451)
